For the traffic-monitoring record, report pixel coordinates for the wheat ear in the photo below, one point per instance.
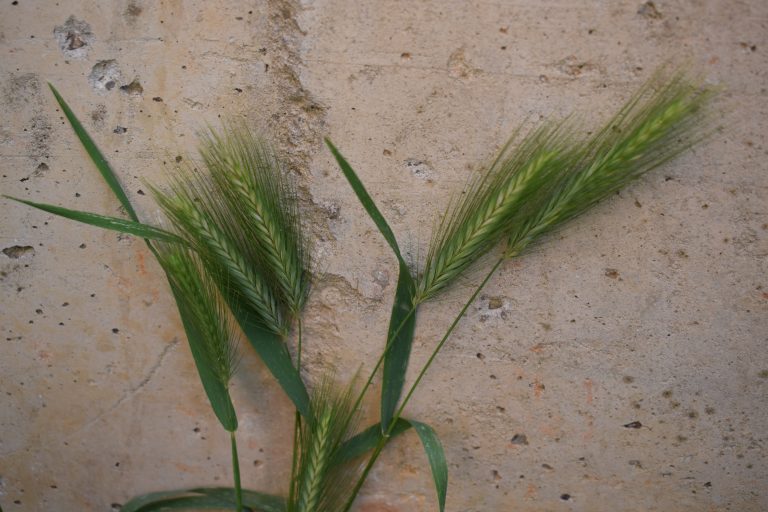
(666, 117)
(190, 206)
(263, 203)
(480, 219)
(323, 481)
(318, 457)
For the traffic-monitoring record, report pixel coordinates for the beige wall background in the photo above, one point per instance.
(650, 309)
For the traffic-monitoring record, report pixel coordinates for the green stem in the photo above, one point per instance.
(442, 341)
(387, 347)
(236, 472)
(385, 438)
(296, 427)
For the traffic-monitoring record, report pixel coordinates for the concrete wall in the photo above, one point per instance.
(650, 309)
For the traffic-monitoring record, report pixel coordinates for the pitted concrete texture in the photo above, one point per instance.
(621, 366)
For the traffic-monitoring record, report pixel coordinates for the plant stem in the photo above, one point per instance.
(443, 340)
(387, 347)
(296, 425)
(385, 438)
(236, 472)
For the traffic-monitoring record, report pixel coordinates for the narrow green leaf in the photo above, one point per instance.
(402, 325)
(367, 202)
(436, 457)
(185, 503)
(105, 222)
(203, 498)
(366, 441)
(256, 501)
(403, 318)
(96, 155)
(274, 353)
(217, 393)
(173, 500)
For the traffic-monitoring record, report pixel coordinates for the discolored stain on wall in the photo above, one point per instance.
(74, 38)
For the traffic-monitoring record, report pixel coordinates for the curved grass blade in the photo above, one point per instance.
(256, 501)
(173, 500)
(203, 498)
(367, 440)
(274, 353)
(436, 457)
(96, 155)
(367, 201)
(217, 392)
(403, 318)
(105, 222)
(184, 503)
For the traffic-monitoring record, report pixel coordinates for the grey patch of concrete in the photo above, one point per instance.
(133, 11)
(418, 168)
(332, 209)
(40, 128)
(381, 277)
(6, 136)
(105, 76)
(493, 307)
(21, 90)
(74, 38)
(573, 66)
(459, 66)
(99, 115)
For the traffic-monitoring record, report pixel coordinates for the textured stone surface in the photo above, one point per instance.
(620, 366)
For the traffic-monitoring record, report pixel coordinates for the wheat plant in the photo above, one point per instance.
(238, 263)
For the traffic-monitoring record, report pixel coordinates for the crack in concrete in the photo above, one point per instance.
(153, 369)
(133, 390)
(298, 125)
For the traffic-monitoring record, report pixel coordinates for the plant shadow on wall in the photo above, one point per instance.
(237, 263)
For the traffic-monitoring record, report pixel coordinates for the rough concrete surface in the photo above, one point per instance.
(649, 312)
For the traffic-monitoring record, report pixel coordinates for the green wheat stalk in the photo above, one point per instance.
(553, 176)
